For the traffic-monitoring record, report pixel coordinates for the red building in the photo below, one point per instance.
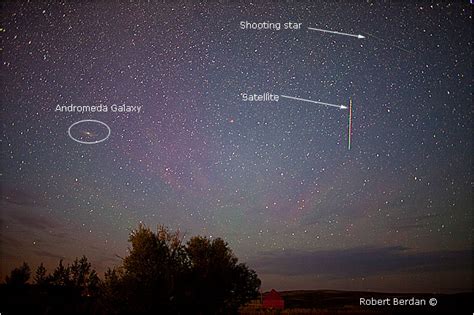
(273, 299)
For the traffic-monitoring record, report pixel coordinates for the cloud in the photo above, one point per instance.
(34, 221)
(22, 198)
(107, 260)
(22, 207)
(415, 222)
(359, 262)
(6, 240)
(44, 253)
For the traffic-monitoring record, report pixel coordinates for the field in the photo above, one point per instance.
(327, 302)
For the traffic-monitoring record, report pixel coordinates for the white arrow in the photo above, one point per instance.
(315, 102)
(334, 32)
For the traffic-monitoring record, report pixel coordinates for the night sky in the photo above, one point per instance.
(276, 180)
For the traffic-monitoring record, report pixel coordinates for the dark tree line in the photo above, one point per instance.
(161, 275)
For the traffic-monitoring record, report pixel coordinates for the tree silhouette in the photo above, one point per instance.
(160, 275)
(61, 275)
(114, 292)
(220, 285)
(19, 276)
(83, 278)
(40, 277)
(151, 274)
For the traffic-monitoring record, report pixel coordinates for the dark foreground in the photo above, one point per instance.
(349, 302)
(30, 301)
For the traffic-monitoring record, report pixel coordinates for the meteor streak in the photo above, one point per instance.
(334, 32)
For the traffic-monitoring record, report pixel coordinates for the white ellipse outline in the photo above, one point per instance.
(89, 120)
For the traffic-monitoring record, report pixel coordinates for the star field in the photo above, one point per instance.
(274, 179)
